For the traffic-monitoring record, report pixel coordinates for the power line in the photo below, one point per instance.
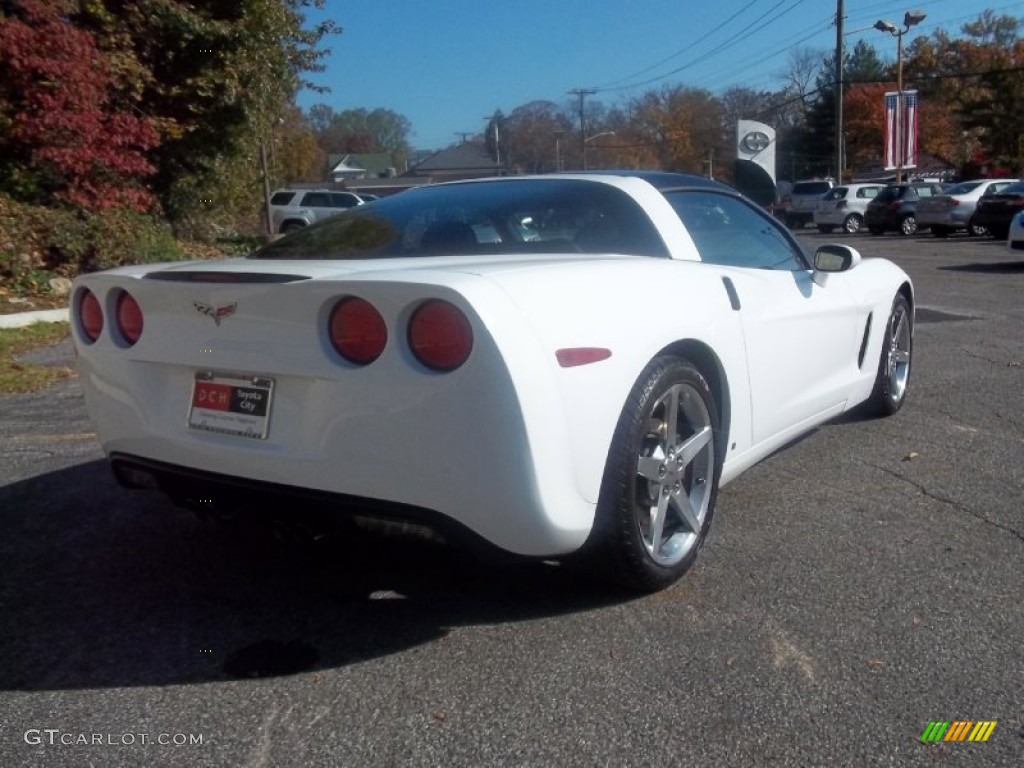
(681, 51)
(734, 40)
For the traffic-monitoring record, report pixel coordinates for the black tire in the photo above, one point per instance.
(658, 492)
(853, 223)
(894, 363)
(940, 231)
(908, 225)
(976, 230)
(291, 226)
(825, 229)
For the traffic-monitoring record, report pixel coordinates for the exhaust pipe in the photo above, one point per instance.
(293, 533)
(207, 509)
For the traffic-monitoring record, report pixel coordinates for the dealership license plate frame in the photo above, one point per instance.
(236, 419)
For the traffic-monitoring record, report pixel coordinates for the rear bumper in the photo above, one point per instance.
(258, 502)
(955, 219)
(459, 454)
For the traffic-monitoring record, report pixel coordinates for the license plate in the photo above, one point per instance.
(231, 405)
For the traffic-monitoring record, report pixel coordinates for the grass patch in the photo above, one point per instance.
(18, 377)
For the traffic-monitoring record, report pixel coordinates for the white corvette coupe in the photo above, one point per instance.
(549, 365)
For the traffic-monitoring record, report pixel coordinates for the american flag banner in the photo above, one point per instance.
(891, 103)
(910, 129)
(892, 125)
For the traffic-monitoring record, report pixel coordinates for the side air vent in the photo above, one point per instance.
(864, 342)
(200, 276)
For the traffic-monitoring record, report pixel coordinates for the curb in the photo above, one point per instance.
(21, 319)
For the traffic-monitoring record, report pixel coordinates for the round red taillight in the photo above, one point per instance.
(90, 316)
(440, 336)
(129, 318)
(357, 330)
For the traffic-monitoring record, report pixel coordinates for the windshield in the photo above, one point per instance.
(481, 218)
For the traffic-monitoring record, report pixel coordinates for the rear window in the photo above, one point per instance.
(811, 187)
(889, 194)
(963, 188)
(479, 219)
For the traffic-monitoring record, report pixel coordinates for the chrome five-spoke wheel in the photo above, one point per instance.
(894, 365)
(676, 462)
(661, 479)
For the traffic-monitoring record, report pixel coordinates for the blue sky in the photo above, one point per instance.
(447, 64)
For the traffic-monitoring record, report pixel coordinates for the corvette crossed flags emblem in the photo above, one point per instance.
(217, 313)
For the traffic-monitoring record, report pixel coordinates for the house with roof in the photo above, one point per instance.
(355, 167)
(468, 160)
(928, 167)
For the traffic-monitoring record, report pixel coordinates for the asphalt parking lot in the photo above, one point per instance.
(857, 586)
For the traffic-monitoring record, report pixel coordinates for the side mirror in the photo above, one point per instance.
(835, 258)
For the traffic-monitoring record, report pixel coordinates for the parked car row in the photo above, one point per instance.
(979, 207)
(955, 209)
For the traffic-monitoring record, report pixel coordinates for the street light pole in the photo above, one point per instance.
(910, 18)
(839, 92)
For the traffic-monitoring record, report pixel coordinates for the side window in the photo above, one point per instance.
(868, 192)
(728, 231)
(924, 192)
(343, 200)
(316, 200)
(282, 198)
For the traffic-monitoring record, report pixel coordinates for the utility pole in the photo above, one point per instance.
(582, 93)
(839, 92)
(497, 146)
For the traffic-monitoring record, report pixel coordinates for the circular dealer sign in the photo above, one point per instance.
(755, 141)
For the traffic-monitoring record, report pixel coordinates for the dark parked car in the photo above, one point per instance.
(995, 212)
(895, 207)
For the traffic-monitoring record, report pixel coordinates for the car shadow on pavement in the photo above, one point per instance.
(103, 587)
(992, 268)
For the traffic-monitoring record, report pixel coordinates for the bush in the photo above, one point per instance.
(37, 243)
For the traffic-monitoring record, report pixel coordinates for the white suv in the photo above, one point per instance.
(798, 206)
(844, 207)
(292, 209)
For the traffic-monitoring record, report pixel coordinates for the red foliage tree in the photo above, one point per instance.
(61, 123)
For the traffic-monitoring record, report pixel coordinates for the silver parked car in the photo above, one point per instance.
(844, 207)
(954, 208)
(294, 209)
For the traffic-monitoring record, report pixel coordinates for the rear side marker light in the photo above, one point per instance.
(573, 356)
(129, 318)
(440, 336)
(90, 316)
(357, 330)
